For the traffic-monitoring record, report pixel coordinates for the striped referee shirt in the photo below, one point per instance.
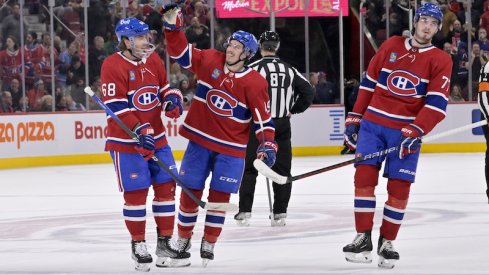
(289, 91)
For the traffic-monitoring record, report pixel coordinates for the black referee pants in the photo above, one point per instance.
(282, 166)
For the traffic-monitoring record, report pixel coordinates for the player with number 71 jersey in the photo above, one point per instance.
(404, 85)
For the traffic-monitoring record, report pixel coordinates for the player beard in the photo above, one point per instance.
(423, 39)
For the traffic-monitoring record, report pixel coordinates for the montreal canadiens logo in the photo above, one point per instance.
(220, 102)
(145, 98)
(402, 83)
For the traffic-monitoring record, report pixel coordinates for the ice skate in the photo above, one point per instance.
(243, 218)
(141, 256)
(206, 252)
(169, 256)
(279, 219)
(360, 250)
(388, 256)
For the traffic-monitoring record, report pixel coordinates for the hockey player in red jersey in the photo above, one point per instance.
(135, 88)
(402, 98)
(217, 124)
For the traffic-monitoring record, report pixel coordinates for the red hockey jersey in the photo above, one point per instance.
(10, 64)
(405, 85)
(224, 102)
(133, 91)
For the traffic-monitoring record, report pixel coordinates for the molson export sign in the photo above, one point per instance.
(292, 8)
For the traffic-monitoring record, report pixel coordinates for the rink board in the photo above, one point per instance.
(78, 138)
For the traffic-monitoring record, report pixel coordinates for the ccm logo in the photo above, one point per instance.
(226, 179)
(28, 131)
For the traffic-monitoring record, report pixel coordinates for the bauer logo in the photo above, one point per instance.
(476, 117)
(22, 132)
(336, 116)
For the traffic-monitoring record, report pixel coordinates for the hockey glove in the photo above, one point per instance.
(410, 140)
(172, 15)
(267, 152)
(173, 103)
(352, 126)
(146, 145)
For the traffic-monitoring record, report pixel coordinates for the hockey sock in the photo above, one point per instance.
(214, 220)
(187, 214)
(134, 212)
(164, 207)
(395, 206)
(366, 178)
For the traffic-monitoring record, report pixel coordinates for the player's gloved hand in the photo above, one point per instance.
(267, 152)
(410, 140)
(172, 15)
(352, 126)
(173, 103)
(146, 145)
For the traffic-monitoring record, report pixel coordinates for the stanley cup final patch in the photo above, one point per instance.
(132, 75)
(216, 73)
(393, 57)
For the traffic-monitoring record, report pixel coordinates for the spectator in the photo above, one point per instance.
(456, 94)
(455, 34)
(482, 40)
(64, 64)
(10, 62)
(198, 34)
(46, 105)
(98, 20)
(484, 19)
(6, 105)
(76, 71)
(326, 92)
(95, 57)
(313, 79)
(461, 65)
(35, 94)
(477, 61)
(187, 92)
(176, 75)
(16, 92)
(97, 89)
(23, 104)
(33, 56)
(11, 23)
(71, 18)
(45, 64)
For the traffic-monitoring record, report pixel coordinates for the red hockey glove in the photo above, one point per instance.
(410, 140)
(352, 126)
(173, 103)
(267, 152)
(146, 145)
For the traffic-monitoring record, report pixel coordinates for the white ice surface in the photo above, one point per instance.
(67, 220)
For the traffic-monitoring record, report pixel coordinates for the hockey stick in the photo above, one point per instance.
(269, 173)
(134, 136)
(268, 182)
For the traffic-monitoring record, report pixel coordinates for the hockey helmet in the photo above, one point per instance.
(429, 9)
(247, 39)
(270, 41)
(130, 27)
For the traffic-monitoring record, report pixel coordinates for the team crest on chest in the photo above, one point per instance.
(402, 83)
(220, 102)
(145, 98)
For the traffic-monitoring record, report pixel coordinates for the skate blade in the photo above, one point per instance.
(386, 263)
(363, 257)
(164, 262)
(243, 223)
(143, 267)
(205, 262)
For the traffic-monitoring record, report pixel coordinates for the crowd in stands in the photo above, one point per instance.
(69, 51)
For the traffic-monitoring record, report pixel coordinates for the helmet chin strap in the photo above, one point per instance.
(239, 60)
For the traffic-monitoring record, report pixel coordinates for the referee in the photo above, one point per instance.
(290, 93)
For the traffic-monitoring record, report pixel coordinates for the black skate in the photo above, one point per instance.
(360, 250)
(141, 256)
(388, 256)
(206, 252)
(243, 218)
(169, 256)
